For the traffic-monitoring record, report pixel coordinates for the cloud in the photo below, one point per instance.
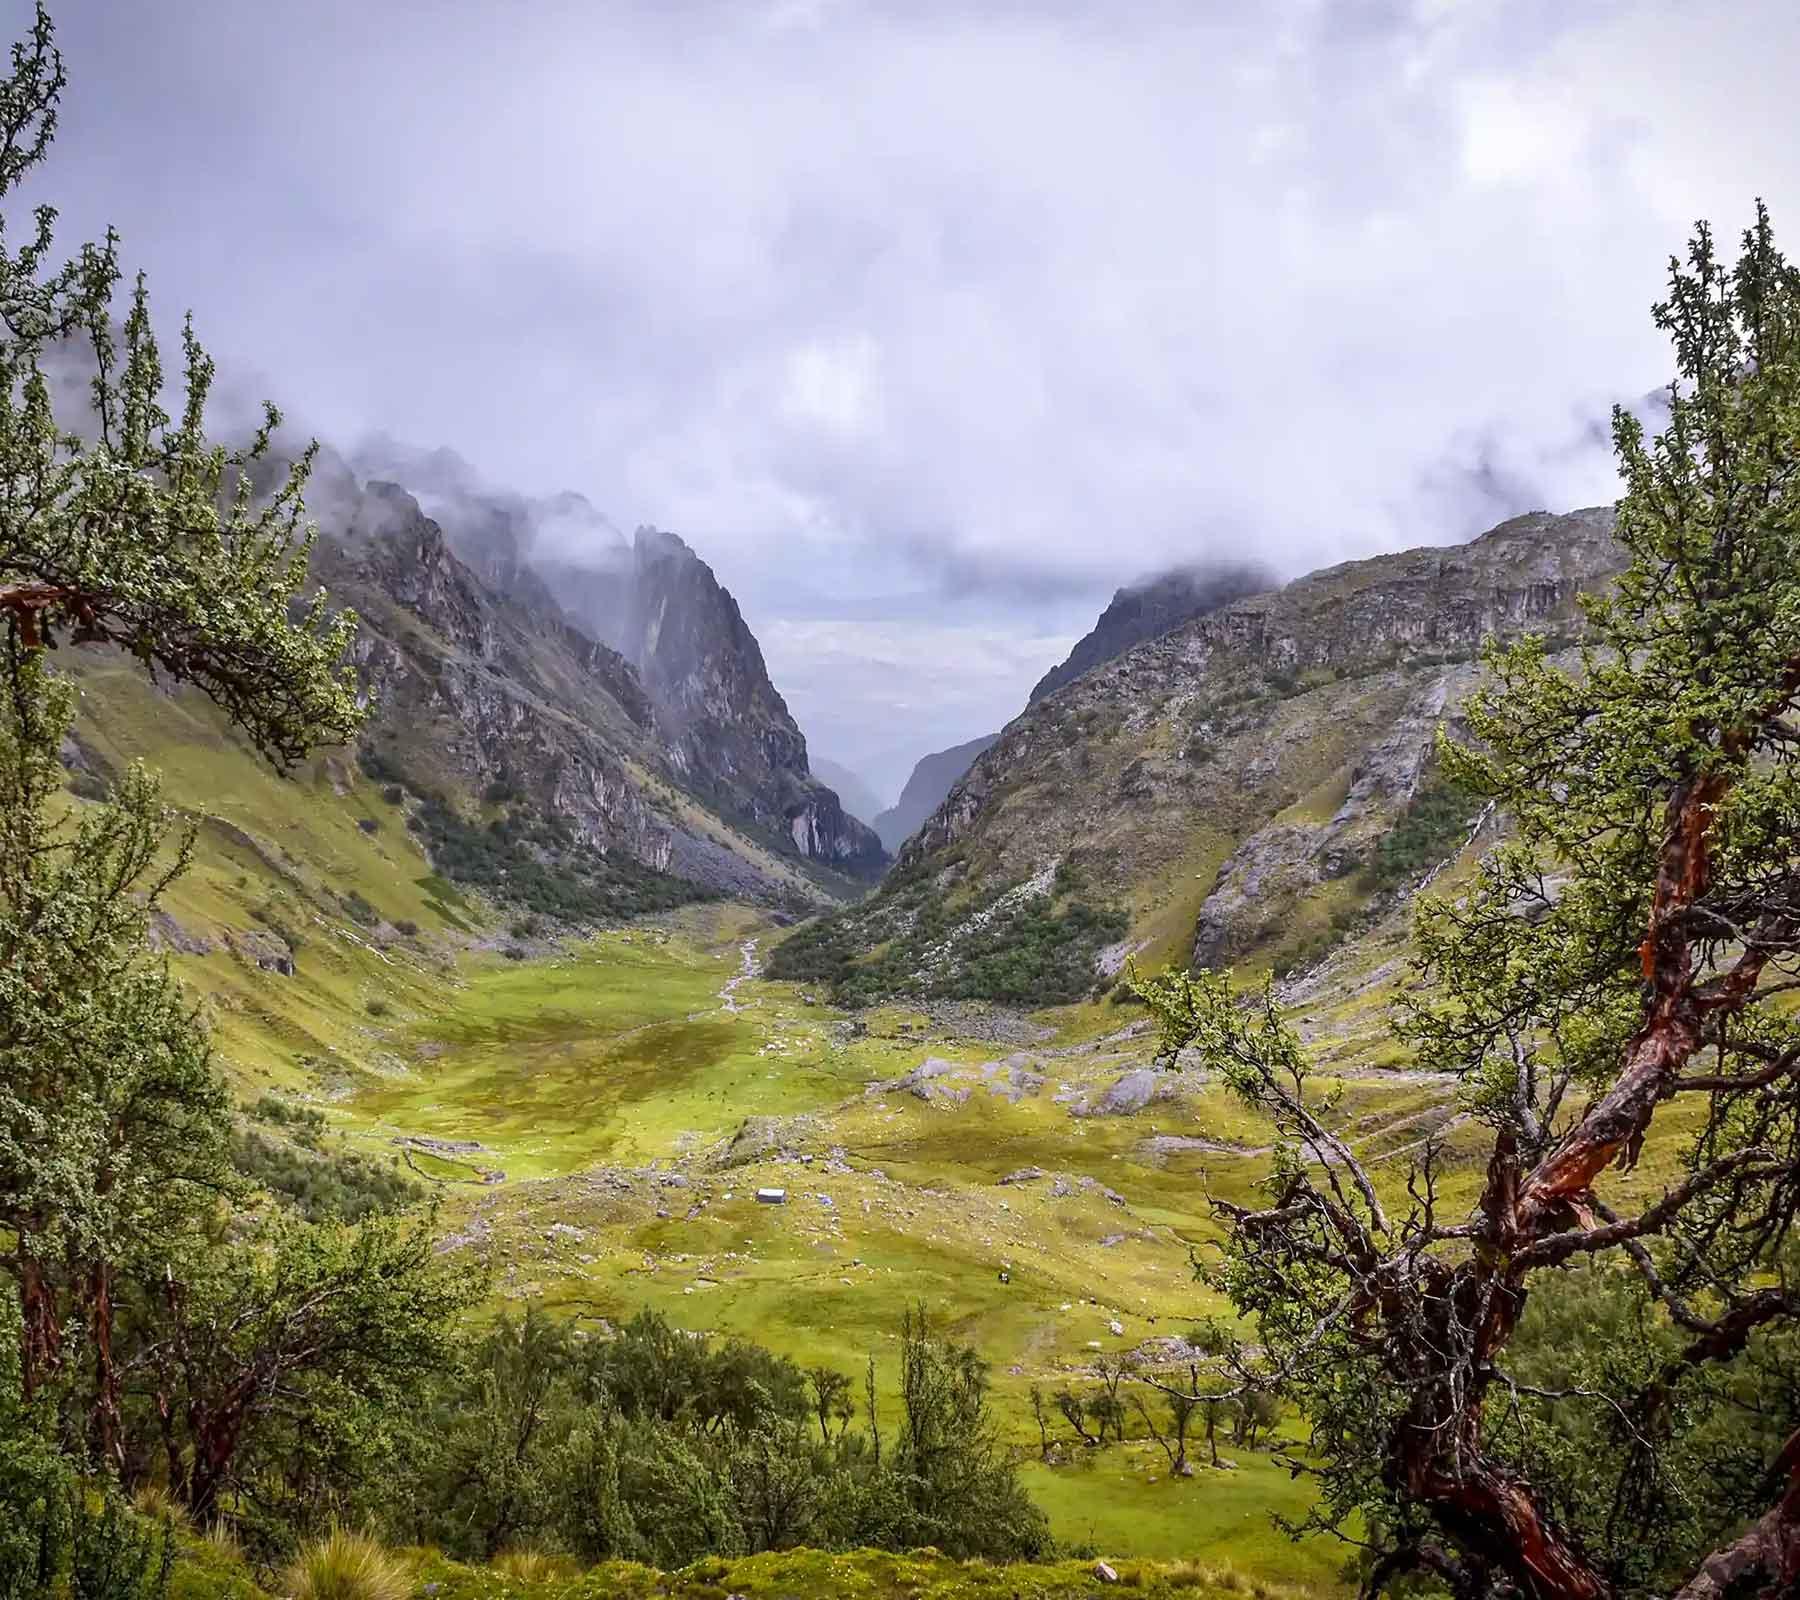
(954, 315)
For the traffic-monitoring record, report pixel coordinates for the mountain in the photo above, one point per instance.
(932, 779)
(853, 793)
(1244, 788)
(726, 730)
(537, 753)
(1143, 610)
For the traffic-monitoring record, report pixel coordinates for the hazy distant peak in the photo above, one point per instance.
(653, 544)
(1153, 605)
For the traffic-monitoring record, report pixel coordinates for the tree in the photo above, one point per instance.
(112, 1122)
(1611, 984)
(486, 1484)
(1073, 1409)
(831, 1398)
(125, 525)
(1041, 1416)
(314, 1327)
(119, 525)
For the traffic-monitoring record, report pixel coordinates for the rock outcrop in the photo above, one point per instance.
(1143, 610)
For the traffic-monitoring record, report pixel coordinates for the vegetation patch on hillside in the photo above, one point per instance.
(1432, 828)
(919, 937)
(529, 859)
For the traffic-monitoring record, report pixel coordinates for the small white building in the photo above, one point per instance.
(771, 1197)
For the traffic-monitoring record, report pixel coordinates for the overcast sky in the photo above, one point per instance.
(929, 322)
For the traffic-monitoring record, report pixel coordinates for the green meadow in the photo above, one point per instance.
(594, 1116)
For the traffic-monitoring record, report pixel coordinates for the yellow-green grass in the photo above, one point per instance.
(792, 1575)
(591, 1071)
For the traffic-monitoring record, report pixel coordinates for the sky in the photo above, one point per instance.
(928, 324)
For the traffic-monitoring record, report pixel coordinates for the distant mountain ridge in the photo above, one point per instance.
(932, 779)
(1142, 610)
(1228, 791)
(852, 791)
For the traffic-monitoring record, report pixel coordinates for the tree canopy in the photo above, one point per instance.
(1612, 994)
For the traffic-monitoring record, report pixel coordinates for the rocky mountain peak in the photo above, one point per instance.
(1223, 791)
(1154, 605)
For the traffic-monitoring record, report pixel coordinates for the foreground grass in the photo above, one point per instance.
(781, 1575)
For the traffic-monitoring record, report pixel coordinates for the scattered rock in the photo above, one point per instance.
(165, 933)
(1105, 1573)
(1127, 1095)
(262, 949)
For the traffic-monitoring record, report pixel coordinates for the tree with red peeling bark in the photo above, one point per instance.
(1619, 973)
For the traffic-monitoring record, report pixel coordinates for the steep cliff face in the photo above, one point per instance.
(1143, 610)
(530, 732)
(729, 731)
(1231, 784)
(725, 730)
(932, 779)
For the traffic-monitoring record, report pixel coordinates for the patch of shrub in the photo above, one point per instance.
(306, 1123)
(539, 863)
(341, 1186)
(368, 825)
(1430, 829)
(1037, 952)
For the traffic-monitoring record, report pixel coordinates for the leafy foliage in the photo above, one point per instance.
(125, 525)
(658, 1446)
(1485, 1420)
(341, 1186)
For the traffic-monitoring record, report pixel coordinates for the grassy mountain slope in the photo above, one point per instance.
(1222, 792)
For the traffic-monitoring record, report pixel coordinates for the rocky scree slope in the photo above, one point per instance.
(1251, 786)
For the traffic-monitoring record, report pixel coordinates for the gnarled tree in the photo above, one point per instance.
(1613, 993)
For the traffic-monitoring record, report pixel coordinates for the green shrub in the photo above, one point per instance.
(1430, 829)
(114, 1555)
(342, 1186)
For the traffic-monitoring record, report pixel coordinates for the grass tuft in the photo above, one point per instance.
(346, 1566)
(534, 1566)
